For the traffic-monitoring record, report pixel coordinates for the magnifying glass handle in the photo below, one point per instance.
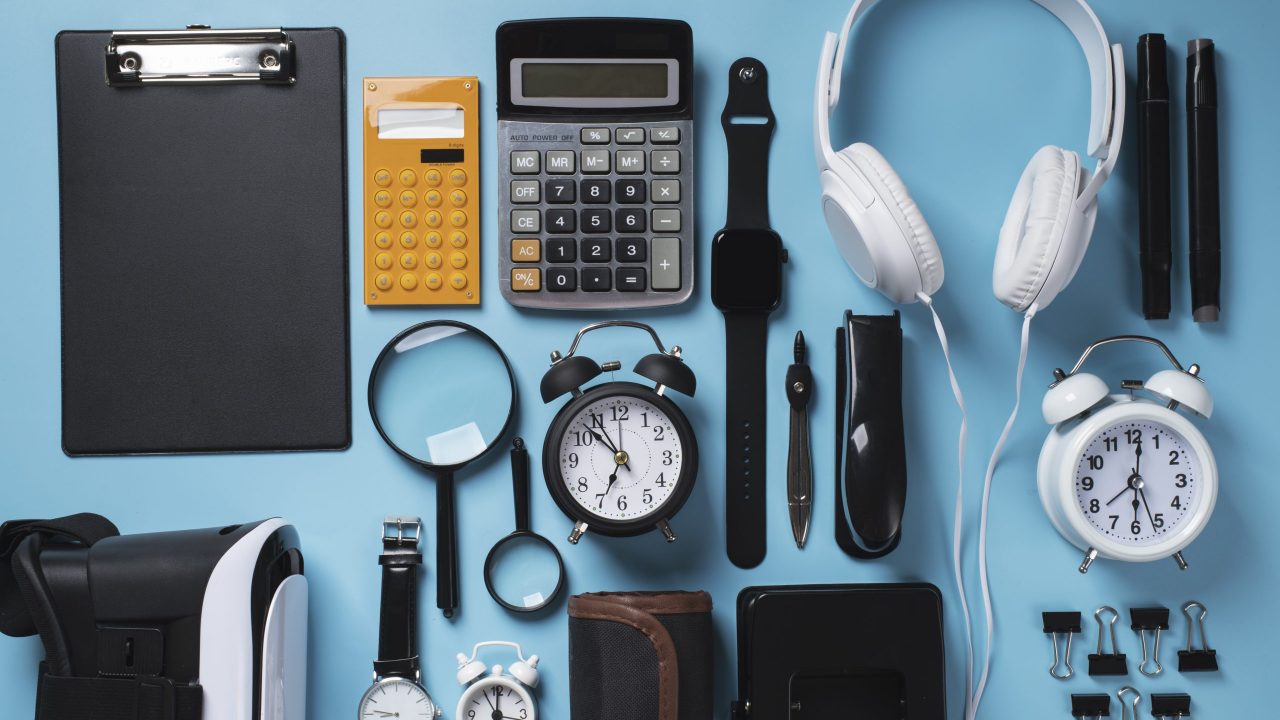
(520, 482)
(446, 546)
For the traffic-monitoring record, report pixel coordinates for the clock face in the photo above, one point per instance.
(397, 698)
(620, 458)
(496, 700)
(1137, 482)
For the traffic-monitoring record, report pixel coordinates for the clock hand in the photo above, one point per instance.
(604, 439)
(1145, 503)
(617, 449)
(1126, 489)
(1135, 504)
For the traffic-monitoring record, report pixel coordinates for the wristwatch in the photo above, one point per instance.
(746, 284)
(397, 690)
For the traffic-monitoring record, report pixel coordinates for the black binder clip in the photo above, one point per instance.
(1191, 659)
(1115, 662)
(1151, 620)
(1174, 705)
(1091, 706)
(1057, 624)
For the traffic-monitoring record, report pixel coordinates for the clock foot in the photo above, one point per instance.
(578, 529)
(1089, 557)
(667, 532)
(1182, 562)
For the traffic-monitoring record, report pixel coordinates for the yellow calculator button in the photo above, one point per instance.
(458, 239)
(409, 261)
(458, 176)
(383, 261)
(408, 178)
(458, 198)
(408, 281)
(526, 279)
(408, 198)
(525, 250)
(457, 218)
(433, 281)
(382, 219)
(432, 177)
(432, 219)
(382, 198)
(408, 240)
(383, 282)
(382, 240)
(432, 239)
(408, 219)
(432, 260)
(382, 178)
(458, 280)
(432, 198)
(458, 260)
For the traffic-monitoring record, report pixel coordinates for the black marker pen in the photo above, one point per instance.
(1155, 250)
(1202, 185)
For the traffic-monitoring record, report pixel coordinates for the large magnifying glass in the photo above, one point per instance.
(523, 572)
(442, 394)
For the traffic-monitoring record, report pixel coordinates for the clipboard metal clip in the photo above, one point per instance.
(200, 55)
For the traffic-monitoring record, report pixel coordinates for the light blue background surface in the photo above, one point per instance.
(958, 95)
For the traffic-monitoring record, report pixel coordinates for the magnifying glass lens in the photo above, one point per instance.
(524, 572)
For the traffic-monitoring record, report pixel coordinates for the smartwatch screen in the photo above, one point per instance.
(746, 270)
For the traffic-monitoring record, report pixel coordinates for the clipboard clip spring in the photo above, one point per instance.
(200, 55)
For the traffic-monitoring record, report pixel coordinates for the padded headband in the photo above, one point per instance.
(1105, 64)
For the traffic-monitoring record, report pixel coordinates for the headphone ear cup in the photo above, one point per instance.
(1038, 222)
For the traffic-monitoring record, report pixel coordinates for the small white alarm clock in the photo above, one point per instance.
(498, 695)
(1126, 476)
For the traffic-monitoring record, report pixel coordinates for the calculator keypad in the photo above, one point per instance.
(596, 216)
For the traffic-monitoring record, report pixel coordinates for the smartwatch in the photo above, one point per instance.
(397, 673)
(746, 285)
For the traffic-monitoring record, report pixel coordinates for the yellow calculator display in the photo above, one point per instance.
(421, 191)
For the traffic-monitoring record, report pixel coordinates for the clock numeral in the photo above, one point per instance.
(471, 713)
(582, 484)
(1111, 444)
(581, 438)
(620, 412)
(597, 420)
(524, 714)
(645, 419)
(647, 497)
(661, 481)
(1095, 462)
(1158, 520)
(1182, 480)
(1155, 438)
(657, 434)
(1086, 483)
(1133, 436)
(622, 502)
(1135, 527)
(1173, 457)
(497, 691)
(666, 457)
(1177, 502)
(1095, 506)
(573, 460)
(1114, 519)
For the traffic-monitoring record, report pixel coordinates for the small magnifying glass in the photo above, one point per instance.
(442, 394)
(524, 571)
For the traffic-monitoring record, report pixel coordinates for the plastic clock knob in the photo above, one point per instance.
(1183, 388)
(1072, 396)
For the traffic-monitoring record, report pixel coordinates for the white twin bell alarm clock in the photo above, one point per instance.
(1126, 476)
(498, 695)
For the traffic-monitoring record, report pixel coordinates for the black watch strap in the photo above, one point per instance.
(398, 626)
(745, 336)
(748, 142)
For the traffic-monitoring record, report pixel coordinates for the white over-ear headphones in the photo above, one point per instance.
(883, 235)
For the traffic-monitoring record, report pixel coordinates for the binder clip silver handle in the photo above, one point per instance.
(1133, 704)
(200, 55)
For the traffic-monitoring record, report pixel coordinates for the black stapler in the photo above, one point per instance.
(871, 455)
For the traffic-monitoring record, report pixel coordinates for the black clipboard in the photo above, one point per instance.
(202, 178)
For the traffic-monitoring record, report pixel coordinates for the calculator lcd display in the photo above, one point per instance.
(426, 122)
(577, 82)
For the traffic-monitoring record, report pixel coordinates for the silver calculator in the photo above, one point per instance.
(595, 146)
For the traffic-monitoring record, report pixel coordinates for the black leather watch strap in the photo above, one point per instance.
(745, 336)
(398, 626)
(748, 141)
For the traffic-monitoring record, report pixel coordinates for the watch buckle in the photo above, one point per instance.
(401, 529)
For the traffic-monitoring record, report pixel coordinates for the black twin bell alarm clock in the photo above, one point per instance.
(620, 458)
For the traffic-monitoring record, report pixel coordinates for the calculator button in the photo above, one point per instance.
(432, 177)
(561, 222)
(433, 260)
(664, 135)
(408, 240)
(595, 220)
(433, 281)
(595, 250)
(595, 191)
(526, 221)
(382, 219)
(382, 240)
(408, 178)
(666, 220)
(432, 219)
(458, 260)
(595, 162)
(562, 279)
(560, 162)
(525, 191)
(383, 282)
(409, 281)
(382, 261)
(631, 250)
(665, 267)
(408, 261)
(457, 281)
(629, 220)
(596, 279)
(458, 239)
(458, 176)
(561, 250)
(458, 198)
(630, 161)
(629, 136)
(560, 191)
(665, 191)
(630, 191)
(665, 161)
(526, 250)
(408, 198)
(408, 219)
(525, 162)
(432, 198)
(458, 219)
(595, 136)
(432, 239)
(382, 178)
(382, 198)
(630, 279)
(526, 279)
